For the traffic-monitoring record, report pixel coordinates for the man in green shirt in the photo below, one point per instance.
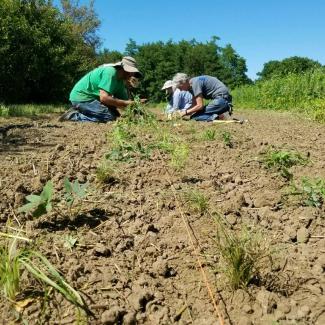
(97, 95)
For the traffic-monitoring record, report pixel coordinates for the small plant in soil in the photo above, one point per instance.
(39, 204)
(70, 242)
(120, 135)
(311, 191)
(74, 193)
(106, 173)
(126, 145)
(196, 201)
(137, 113)
(166, 142)
(240, 255)
(209, 135)
(179, 156)
(283, 160)
(227, 139)
(128, 151)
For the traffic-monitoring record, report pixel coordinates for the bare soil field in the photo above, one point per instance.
(138, 241)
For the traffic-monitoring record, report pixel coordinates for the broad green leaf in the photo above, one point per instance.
(27, 207)
(34, 198)
(47, 192)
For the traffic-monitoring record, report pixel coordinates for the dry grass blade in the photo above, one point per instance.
(14, 236)
(197, 254)
(44, 271)
(10, 270)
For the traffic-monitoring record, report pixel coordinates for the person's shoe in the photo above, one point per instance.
(224, 116)
(66, 115)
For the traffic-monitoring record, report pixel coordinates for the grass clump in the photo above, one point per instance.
(126, 145)
(196, 201)
(179, 156)
(137, 113)
(311, 191)
(166, 142)
(10, 269)
(23, 262)
(209, 135)
(281, 161)
(106, 173)
(240, 255)
(227, 139)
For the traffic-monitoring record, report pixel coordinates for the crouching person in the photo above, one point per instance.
(177, 99)
(97, 96)
(205, 87)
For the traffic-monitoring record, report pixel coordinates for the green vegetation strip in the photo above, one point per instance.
(301, 93)
(29, 110)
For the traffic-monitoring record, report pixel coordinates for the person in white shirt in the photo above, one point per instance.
(177, 99)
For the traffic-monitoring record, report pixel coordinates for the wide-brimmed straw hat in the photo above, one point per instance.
(167, 84)
(128, 64)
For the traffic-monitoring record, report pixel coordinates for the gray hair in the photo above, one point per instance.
(180, 78)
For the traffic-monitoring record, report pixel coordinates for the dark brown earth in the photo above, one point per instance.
(134, 263)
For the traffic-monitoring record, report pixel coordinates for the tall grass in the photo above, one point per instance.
(16, 261)
(29, 110)
(303, 93)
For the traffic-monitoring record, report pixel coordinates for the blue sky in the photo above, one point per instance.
(258, 30)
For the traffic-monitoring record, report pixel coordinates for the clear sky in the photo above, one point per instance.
(259, 30)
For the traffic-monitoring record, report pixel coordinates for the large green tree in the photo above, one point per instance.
(284, 67)
(41, 54)
(85, 21)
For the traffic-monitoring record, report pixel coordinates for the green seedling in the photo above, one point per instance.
(74, 191)
(39, 204)
(209, 135)
(283, 160)
(311, 191)
(70, 242)
(227, 139)
(240, 255)
(197, 201)
(179, 156)
(43, 203)
(74, 194)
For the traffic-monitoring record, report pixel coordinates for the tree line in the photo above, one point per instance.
(45, 49)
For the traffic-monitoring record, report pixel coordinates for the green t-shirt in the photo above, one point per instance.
(87, 88)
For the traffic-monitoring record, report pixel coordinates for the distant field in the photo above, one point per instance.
(304, 93)
(29, 110)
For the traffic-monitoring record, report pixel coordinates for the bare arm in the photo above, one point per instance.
(197, 105)
(108, 100)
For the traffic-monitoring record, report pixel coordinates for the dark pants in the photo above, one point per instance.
(93, 111)
(212, 111)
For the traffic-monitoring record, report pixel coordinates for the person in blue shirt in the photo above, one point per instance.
(205, 87)
(177, 99)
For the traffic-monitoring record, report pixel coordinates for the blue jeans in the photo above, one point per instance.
(211, 111)
(93, 111)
